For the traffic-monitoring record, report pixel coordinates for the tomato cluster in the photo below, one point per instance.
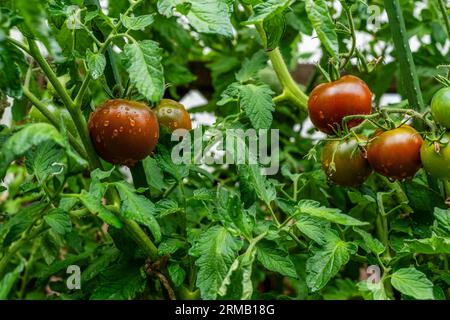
(397, 153)
(124, 132)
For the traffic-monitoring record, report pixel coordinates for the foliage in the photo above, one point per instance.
(229, 231)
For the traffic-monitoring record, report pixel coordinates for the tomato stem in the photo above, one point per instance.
(53, 120)
(139, 177)
(443, 10)
(351, 24)
(292, 91)
(447, 189)
(75, 113)
(405, 57)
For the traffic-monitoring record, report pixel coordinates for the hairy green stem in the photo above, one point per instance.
(139, 177)
(447, 189)
(19, 45)
(141, 238)
(351, 23)
(77, 117)
(291, 90)
(444, 16)
(404, 55)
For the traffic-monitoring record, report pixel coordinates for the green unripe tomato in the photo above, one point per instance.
(440, 107)
(436, 157)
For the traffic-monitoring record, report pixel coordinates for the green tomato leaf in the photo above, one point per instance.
(31, 135)
(313, 227)
(313, 208)
(59, 221)
(412, 282)
(267, 9)
(94, 206)
(433, 245)
(137, 23)
(320, 18)
(45, 160)
(265, 190)
(145, 68)
(95, 267)
(154, 174)
(170, 246)
(251, 66)
(255, 100)
(327, 261)
(442, 224)
(215, 250)
(238, 282)
(176, 274)
(274, 28)
(138, 208)
(274, 258)
(257, 104)
(96, 63)
(123, 281)
(8, 281)
(370, 242)
(206, 16)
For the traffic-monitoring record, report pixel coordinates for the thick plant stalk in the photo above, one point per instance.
(444, 16)
(75, 112)
(405, 58)
(139, 177)
(291, 90)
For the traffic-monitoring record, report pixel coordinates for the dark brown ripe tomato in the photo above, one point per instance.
(330, 102)
(351, 167)
(396, 153)
(173, 115)
(123, 132)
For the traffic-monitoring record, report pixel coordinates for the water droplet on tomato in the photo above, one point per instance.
(321, 115)
(106, 123)
(121, 129)
(115, 133)
(132, 122)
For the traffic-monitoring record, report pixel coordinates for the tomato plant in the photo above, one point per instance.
(101, 199)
